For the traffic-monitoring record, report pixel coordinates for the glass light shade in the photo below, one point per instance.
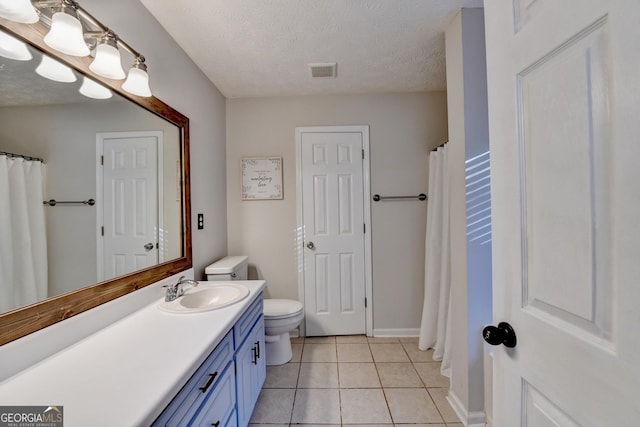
(12, 48)
(107, 62)
(51, 69)
(18, 11)
(66, 35)
(91, 89)
(137, 82)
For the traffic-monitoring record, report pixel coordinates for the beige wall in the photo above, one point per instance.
(403, 128)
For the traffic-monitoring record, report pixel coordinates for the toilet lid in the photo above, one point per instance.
(274, 308)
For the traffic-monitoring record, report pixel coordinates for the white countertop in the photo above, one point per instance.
(126, 374)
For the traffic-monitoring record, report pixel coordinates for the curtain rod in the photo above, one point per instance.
(22, 156)
(439, 146)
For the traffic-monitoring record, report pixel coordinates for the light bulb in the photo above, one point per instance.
(53, 70)
(12, 48)
(137, 82)
(107, 61)
(94, 90)
(66, 34)
(18, 11)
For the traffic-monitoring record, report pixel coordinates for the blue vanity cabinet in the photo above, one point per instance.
(224, 390)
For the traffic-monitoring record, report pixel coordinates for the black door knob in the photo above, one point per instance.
(503, 334)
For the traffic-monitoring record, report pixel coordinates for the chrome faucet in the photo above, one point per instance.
(176, 291)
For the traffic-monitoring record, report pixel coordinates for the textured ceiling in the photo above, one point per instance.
(253, 48)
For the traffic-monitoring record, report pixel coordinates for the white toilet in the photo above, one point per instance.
(281, 316)
(228, 268)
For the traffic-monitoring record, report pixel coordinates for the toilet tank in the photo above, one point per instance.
(228, 268)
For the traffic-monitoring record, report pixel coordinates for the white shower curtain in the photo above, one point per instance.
(23, 245)
(436, 313)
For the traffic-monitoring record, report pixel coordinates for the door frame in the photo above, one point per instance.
(366, 191)
(100, 138)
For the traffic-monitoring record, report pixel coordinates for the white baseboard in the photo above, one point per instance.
(408, 332)
(469, 419)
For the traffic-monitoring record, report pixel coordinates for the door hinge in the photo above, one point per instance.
(102, 160)
(363, 154)
(365, 303)
(102, 230)
(364, 228)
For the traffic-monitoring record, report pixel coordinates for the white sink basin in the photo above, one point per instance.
(211, 297)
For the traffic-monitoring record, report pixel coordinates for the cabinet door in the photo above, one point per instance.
(251, 365)
(220, 403)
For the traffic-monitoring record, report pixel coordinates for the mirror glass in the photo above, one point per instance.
(116, 170)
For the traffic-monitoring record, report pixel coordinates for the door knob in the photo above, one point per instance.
(503, 334)
(311, 246)
(148, 246)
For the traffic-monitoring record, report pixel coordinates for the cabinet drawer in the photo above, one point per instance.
(246, 322)
(187, 402)
(220, 402)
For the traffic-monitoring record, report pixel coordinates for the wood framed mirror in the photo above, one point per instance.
(23, 320)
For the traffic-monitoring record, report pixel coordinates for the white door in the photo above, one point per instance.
(333, 226)
(130, 202)
(564, 102)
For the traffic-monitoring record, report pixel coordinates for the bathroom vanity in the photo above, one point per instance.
(156, 368)
(225, 388)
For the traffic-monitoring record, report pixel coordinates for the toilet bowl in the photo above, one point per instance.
(281, 316)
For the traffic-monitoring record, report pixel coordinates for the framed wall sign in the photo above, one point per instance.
(261, 178)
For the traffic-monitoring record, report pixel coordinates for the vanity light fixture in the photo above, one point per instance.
(74, 31)
(12, 48)
(66, 34)
(54, 70)
(137, 82)
(18, 11)
(107, 62)
(94, 90)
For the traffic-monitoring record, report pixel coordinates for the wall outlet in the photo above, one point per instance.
(200, 221)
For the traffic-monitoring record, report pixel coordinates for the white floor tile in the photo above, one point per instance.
(388, 353)
(411, 405)
(320, 340)
(398, 375)
(319, 406)
(364, 406)
(273, 406)
(430, 374)
(439, 396)
(352, 339)
(358, 375)
(354, 353)
(296, 349)
(319, 353)
(318, 375)
(417, 355)
(383, 340)
(282, 376)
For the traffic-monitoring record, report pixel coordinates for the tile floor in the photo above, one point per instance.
(355, 380)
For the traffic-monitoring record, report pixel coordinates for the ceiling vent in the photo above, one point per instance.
(323, 69)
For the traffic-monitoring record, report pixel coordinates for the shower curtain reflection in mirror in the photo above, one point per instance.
(23, 245)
